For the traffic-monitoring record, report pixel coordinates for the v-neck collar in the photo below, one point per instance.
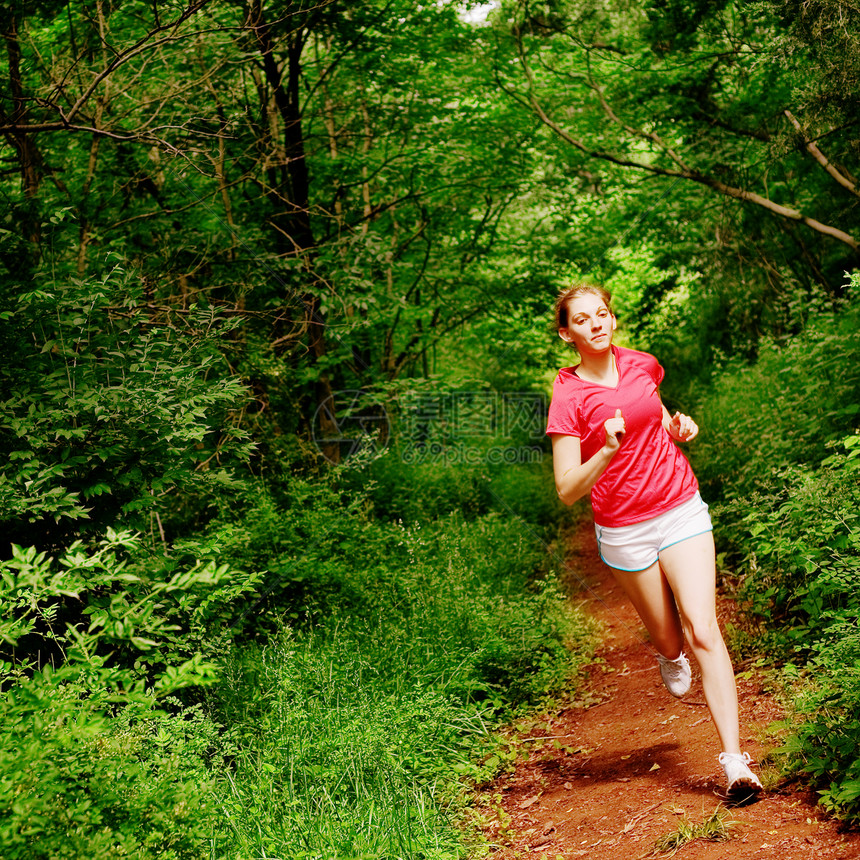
(603, 384)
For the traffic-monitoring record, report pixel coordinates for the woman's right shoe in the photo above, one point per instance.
(676, 674)
(742, 782)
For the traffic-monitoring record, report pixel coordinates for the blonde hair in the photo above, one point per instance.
(561, 314)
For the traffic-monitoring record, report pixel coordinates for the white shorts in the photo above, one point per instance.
(637, 547)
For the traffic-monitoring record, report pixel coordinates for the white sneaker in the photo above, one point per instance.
(742, 781)
(675, 673)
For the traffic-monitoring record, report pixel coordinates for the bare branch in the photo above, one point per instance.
(683, 172)
(783, 211)
(821, 158)
(143, 44)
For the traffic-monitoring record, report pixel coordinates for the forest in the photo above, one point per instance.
(281, 544)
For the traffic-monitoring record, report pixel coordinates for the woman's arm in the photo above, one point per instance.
(573, 478)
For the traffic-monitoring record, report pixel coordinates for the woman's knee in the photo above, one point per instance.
(704, 635)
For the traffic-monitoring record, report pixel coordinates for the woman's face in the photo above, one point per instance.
(590, 324)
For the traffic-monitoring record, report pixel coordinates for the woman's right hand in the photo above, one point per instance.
(615, 430)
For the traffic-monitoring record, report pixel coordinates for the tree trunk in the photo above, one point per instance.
(291, 198)
(29, 160)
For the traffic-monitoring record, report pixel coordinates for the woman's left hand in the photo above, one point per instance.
(682, 427)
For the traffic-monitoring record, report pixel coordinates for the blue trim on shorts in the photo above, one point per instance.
(622, 569)
(683, 539)
(627, 569)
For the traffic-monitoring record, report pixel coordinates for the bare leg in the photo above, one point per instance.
(652, 598)
(689, 569)
(676, 597)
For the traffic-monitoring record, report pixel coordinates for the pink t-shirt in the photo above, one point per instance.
(648, 475)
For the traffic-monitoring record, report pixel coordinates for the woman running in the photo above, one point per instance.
(613, 438)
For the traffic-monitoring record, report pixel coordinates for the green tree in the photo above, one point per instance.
(705, 116)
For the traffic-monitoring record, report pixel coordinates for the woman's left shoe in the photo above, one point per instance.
(742, 781)
(676, 674)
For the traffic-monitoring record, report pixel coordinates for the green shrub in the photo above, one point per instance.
(467, 449)
(472, 607)
(528, 493)
(468, 587)
(96, 759)
(108, 409)
(419, 492)
(327, 555)
(409, 642)
(346, 735)
(113, 602)
(352, 738)
(780, 447)
(826, 721)
(782, 411)
(801, 582)
(799, 547)
(77, 781)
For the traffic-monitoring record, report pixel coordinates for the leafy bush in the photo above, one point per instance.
(92, 765)
(799, 584)
(781, 447)
(799, 546)
(447, 586)
(460, 447)
(826, 721)
(785, 409)
(77, 781)
(435, 489)
(528, 493)
(107, 406)
(344, 684)
(353, 729)
(484, 619)
(112, 605)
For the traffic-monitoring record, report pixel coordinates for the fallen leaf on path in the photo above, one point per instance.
(530, 801)
(654, 766)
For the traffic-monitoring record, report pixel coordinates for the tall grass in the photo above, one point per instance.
(330, 765)
(358, 725)
(307, 678)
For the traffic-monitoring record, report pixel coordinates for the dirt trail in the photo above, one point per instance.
(608, 780)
